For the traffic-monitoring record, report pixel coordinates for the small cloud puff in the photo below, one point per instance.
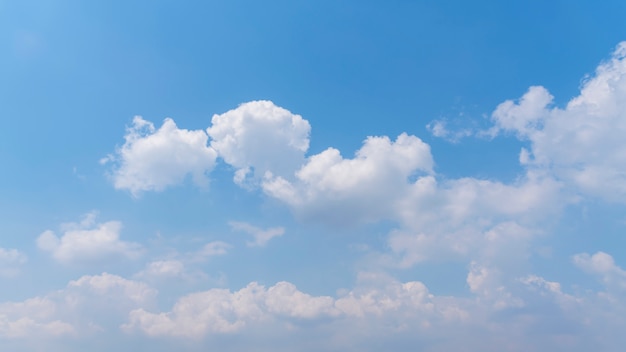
(152, 160)
(261, 237)
(87, 241)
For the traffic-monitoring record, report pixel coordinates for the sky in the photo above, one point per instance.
(312, 175)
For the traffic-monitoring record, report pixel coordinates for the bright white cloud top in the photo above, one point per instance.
(87, 241)
(260, 137)
(264, 228)
(153, 159)
(582, 143)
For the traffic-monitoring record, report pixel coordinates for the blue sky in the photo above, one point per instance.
(312, 175)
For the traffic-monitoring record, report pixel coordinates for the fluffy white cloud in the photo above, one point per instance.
(32, 317)
(87, 241)
(379, 310)
(10, 261)
(259, 136)
(602, 265)
(469, 217)
(108, 285)
(361, 189)
(582, 143)
(215, 310)
(151, 159)
(378, 295)
(85, 306)
(285, 299)
(261, 237)
(219, 311)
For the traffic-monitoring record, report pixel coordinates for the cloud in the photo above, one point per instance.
(87, 241)
(378, 311)
(261, 237)
(194, 315)
(169, 269)
(259, 136)
(163, 268)
(32, 317)
(363, 189)
(254, 138)
(502, 313)
(470, 218)
(583, 143)
(85, 306)
(112, 286)
(10, 261)
(602, 264)
(439, 128)
(212, 249)
(219, 311)
(152, 160)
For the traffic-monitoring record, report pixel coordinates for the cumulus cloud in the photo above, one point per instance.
(582, 143)
(219, 311)
(361, 189)
(154, 159)
(378, 296)
(10, 261)
(259, 136)
(216, 310)
(113, 286)
(379, 310)
(87, 241)
(85, 306)
(470, 217)
(602, 264)
(32, 317)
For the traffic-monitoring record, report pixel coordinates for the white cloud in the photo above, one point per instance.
(183, 267)
(361, 189)
(472, 218)
(163, 268)
(378, 311)
(286, 300)
(32, 317)
(486, 283)
(88, 305)
(259, 136)
(583, 143)
(261, 237)
(602, 265)
(10, 261)
(214, 248)
(219, 311)
(212, 311)
(87, 241)
(152, 160)
(378, 295)
(170, 269)
(439, 128)
(114, 286)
